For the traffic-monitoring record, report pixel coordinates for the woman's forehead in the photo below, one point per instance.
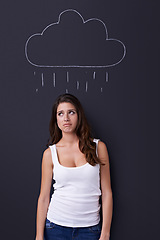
(65, 106)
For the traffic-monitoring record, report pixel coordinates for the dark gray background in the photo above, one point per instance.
(124, 116)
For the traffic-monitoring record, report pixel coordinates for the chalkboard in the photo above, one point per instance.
(104, 53)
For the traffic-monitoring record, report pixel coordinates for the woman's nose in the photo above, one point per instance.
(66, 118)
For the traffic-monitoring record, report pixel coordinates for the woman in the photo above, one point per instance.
(79, 166)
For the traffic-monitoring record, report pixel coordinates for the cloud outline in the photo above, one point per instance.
(75, 66)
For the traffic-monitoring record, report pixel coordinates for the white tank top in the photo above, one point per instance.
(75, 201)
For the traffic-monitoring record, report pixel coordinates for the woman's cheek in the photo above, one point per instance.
(59, 124)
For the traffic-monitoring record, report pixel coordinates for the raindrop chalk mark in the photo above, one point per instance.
(67, 77)
(54, 79)
(86, 86)
(36, 89)
(94, 75)
(101, 89)
(66, 90)
(77, 84)
(42, 79)
(34, 73)
(106, 76)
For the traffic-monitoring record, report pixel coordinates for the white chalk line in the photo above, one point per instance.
(77, 85)
(86, 86)
(106, 76)
(42, 76)
(75, 66)
(54, 79)
(94, 75)
(67, 77)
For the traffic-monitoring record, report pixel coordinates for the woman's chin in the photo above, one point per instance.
(69, 131)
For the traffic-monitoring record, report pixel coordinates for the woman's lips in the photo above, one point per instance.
(67, 124)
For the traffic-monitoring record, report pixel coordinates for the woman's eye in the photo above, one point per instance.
(72, 112)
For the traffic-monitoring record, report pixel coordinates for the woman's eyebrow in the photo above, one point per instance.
(67, 110)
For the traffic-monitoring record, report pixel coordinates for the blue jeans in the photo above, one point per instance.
(53, 231)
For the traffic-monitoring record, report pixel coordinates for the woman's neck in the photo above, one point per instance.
(69, 139)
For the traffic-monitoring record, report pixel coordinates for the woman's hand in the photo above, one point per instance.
(39, 238)
(106, 237)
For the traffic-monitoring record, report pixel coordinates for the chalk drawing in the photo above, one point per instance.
(54, 79)
(106, 76)
(106, 39)
(86, 86)
(74, 66)
(42, 77)
(77, 84)
(94, 75)
(67, 77)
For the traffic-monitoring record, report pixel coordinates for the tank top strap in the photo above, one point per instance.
(54, 154)
(96, 141)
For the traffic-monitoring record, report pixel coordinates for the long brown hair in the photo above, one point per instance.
(83, 130)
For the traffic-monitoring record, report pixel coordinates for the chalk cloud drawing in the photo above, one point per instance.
(73, 42)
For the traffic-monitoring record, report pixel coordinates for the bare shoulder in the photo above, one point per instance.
(47, 157)
(102, 147)
(47, 152)
(102, 152)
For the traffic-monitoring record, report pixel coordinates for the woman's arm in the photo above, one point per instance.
(44, 197)
(107, 200)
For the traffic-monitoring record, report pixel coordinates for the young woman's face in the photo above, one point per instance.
(67, 117)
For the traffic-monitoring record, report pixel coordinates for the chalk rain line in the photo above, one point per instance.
(107, 76)
(42, 77)
(34, 73)
(94, 75)
(86, 86)
(54, 79)
(67, 81)
(77, 85)
(67, 77)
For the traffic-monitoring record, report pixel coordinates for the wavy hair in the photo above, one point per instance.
(83, 130)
